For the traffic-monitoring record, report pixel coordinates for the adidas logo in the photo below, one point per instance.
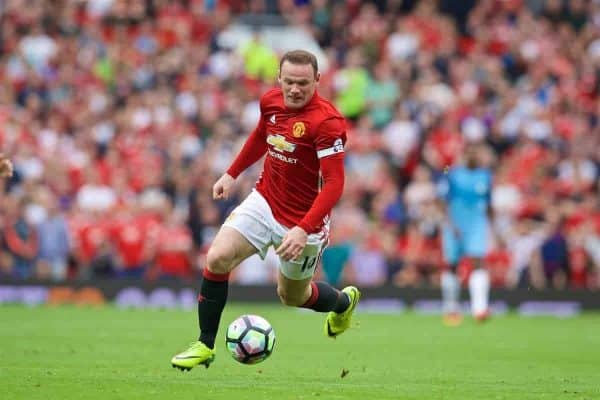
(272, 119)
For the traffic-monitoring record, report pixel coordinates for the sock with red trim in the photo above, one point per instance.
(325, 297)
(211, 301)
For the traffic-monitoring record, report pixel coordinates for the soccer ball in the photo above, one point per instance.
(250, 339)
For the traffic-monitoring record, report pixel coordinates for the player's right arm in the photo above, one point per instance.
(252, 151)
(446, 195)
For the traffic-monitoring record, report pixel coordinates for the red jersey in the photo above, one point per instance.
(296, 143)
(129, 239)
(89, 236)
(172, 251)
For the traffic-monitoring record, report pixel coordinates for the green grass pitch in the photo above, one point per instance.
(83, 353)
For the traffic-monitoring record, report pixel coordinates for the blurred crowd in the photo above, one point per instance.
(119, 115)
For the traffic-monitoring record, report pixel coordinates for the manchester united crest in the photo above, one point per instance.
(298, 129)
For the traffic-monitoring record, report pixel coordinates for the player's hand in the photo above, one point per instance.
(6, 167)
(222, 187)
(293, 244)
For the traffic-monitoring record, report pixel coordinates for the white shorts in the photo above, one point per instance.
(254, 220)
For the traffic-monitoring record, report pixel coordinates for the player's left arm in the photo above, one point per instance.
(332, 171)
(329, 143)
(446, 192)
(330, 150)
(489, 208)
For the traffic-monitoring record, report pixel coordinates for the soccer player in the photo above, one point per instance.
(465, 233)
(303, 137)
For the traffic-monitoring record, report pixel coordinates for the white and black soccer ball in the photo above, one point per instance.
(250, 339)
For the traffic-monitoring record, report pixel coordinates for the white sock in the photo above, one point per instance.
(450, 292)
(479, 288)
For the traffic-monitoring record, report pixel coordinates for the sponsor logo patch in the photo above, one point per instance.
(280, 143)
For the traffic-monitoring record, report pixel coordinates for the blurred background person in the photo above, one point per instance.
(54, 241)
(21, 239)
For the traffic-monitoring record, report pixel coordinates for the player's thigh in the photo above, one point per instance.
(475, 242)
(228, 249)
(245, 232)
(254, 221)
(450, 245)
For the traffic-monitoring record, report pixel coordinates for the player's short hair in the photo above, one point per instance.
(301, 57)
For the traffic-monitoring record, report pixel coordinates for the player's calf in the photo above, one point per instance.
(290, 299)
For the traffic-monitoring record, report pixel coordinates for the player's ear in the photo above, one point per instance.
(317, 77)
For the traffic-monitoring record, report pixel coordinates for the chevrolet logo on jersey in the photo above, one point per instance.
(280, 144)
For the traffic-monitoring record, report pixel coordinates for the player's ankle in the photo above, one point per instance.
(208, 341)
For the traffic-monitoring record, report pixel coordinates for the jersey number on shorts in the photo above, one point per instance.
(309, 263)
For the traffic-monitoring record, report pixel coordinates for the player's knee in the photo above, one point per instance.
(218, 261)
(289, 299)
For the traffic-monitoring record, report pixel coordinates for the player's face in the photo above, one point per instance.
(472, 156)
(298, 83)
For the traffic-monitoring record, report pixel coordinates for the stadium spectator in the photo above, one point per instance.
(552, 261)
(368, 265)
(102, 100)
(420, 257)
(21, 238)
(523, 241)
(351, 83)
(347, 218)
(174, 253)
(381, 95)
(54, 242)
(260, 61)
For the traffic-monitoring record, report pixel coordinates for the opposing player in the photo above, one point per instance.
(465, 234)
(303, 137)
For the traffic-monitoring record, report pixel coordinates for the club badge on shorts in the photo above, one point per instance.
(298, 129)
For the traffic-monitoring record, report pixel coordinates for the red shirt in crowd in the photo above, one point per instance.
(446, 145)
(497, 263)
(129, 238)
(173, 251)
(89, 235)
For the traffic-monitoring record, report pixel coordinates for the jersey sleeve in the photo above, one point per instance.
(331, 137)
(329, 144)
(332, 170)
